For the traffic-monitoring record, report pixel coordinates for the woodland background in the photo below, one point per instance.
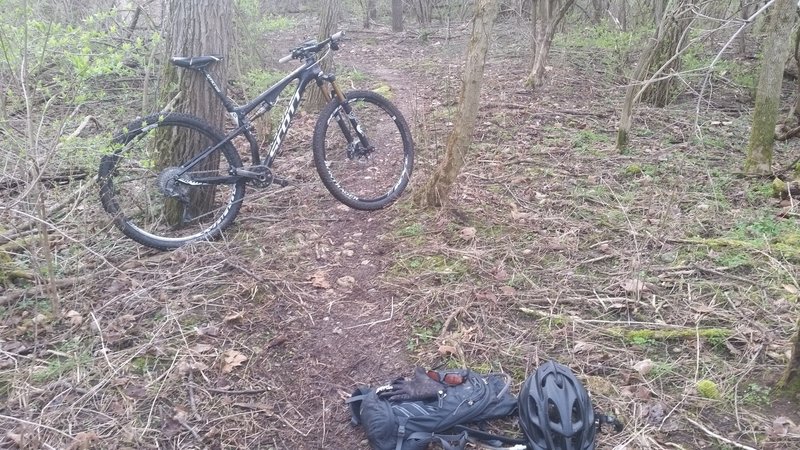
(622, 201)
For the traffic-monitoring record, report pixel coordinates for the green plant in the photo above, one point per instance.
(423, 334)
(588, 140)
(708, 389)
(756, 394)
(72, 355)
(413, 230)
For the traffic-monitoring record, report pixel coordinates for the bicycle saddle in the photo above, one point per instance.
(194, 62)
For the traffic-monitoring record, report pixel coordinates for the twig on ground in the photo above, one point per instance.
(375, 322)
(717, 436)
(192, 403)
(234, 392)
(103, 348)
(191, 430)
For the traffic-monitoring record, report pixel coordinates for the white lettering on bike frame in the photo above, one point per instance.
(287, 118)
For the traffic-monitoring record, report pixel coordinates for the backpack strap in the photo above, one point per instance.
(488, 437)
(401, 431)
(445, 440)
(355, 406)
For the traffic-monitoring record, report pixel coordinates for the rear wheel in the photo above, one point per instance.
(158, 203)
(368, 173)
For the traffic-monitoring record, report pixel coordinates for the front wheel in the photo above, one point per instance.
(363, 150)
(151, 195)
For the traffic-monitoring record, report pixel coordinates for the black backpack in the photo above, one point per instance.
(412, 425)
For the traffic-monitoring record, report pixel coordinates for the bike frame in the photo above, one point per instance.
(309, 71)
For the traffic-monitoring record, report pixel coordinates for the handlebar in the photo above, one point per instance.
(313, 47)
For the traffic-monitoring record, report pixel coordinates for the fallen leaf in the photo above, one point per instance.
(185, 367)
(209, 330)
(467, 233)
(346, 281)
(581, 347)
(643, 367)
(320, 280)
(507, 290)
(783, 427)
(643, 393)
(40, 319)
(84, 440)
(201, 348)
(75, 318)
(634, 286)
(232, 359)
(791, 289)
(447, 350)
(233, 317)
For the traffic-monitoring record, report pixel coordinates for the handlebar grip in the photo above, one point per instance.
(286, 58)
(337, 35)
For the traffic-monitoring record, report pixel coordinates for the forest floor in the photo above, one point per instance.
(644, 272)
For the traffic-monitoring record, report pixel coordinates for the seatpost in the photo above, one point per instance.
(229, 106)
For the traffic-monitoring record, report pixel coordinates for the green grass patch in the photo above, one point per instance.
(445, 269)
(422, 335)
(72, 355)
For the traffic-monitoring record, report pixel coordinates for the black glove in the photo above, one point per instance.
(421, 387)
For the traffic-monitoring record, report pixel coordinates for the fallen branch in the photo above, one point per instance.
(717, 436)
(10, 296)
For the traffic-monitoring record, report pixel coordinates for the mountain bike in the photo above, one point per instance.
(173, 179)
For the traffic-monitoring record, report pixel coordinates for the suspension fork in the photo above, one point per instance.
(345, 106)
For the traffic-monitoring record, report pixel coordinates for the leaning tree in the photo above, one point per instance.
(435, 192)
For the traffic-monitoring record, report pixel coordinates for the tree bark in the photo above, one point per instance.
(397, 15)
(328, 20)
(599, 8)
(435, 192)
(790, 381)
(193, 32)
(422, 9)
(370, 13)
(658, 57)
(770, 81)
(669, 43)
(544, 20)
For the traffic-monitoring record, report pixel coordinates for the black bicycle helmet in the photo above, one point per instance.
(555, 412)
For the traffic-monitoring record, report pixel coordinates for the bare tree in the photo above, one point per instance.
(436, 190)
(545, 16)
(665, 53)
(790, 381)
(397, 15)
(328, 20)
(770, 81)
(194, 32)
(653, 75)
(370, 12)
(423, 10)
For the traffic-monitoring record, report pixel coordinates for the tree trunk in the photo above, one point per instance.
(599, 8)
(794, 115)
(194, 32)
(790, 381)
(397, 15)
(655, 60)
(435, 192)
(544, 21)
(422, 9)
(768, 92)
(670, 41)
(745, 14)
(328, 20)
(370, 12)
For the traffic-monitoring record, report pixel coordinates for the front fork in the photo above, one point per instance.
(361, 138)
